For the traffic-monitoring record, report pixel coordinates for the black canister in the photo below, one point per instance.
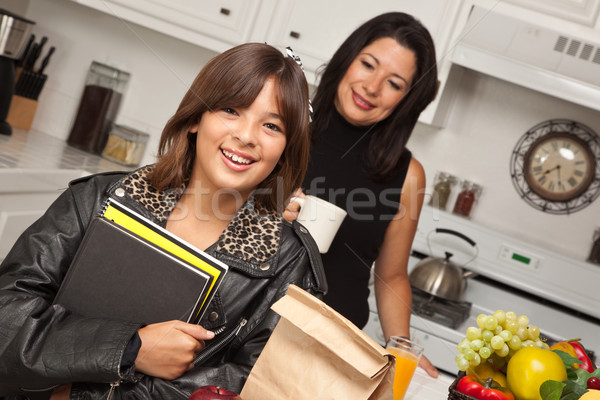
(98, 108)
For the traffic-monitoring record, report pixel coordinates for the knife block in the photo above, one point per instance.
(21, 112)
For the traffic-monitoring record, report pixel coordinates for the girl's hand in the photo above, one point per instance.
(61, 393)
(169, 348)
(291, 211)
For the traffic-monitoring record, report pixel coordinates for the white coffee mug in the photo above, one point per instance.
(321, 218)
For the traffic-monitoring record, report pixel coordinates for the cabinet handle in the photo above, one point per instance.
(225, 11)
(295, 35)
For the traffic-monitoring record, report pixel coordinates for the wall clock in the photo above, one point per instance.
(555, 166)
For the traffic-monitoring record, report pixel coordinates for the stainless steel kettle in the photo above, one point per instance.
(441, 277)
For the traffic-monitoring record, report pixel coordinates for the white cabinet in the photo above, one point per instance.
(25, 194)
(584, 12)
(214, 24)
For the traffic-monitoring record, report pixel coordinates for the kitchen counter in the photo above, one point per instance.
(38, 151)
(424, 387)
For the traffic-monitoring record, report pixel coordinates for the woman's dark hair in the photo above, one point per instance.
(389, 137)
(234, 79)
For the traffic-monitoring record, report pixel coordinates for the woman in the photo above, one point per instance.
(366, 106)
(236, 146)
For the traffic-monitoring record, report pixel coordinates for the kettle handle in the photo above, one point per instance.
(460, 235)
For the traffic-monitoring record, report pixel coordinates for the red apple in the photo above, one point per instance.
(212, 392)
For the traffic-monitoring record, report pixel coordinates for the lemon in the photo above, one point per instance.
(591, 394)
(529, 368)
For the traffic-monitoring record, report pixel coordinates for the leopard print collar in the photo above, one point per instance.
(252, 235)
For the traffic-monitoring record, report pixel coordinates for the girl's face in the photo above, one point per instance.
(238, 148)
(376, 81)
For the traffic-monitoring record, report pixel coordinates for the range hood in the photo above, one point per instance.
(532, 56)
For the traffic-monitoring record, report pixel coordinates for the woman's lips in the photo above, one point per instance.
(236, 162)
(361, 102)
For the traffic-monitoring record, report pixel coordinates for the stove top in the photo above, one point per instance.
(449, 313)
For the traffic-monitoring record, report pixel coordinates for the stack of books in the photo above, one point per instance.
(129, 268)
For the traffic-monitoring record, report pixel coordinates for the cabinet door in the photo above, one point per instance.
(584, 12)
(314, 29)
(214, 24)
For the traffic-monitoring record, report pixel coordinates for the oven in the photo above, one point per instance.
(559, 294)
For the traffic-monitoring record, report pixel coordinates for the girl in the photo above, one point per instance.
(232, 152)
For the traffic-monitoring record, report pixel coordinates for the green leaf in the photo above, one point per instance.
(596, 373)
(578, 376)
(567, 359)
(552, 390)
(573, 391)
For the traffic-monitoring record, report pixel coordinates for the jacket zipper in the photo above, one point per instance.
(221, 342)
(113, 387)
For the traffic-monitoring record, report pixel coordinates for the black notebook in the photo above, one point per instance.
(120, 274)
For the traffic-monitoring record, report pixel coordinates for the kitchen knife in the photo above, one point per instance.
(46, 60)
(28, 62)
(38, 51)
(26, 50)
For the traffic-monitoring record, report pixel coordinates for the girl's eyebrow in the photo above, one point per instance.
(393, 73)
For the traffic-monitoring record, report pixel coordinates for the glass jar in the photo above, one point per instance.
(442, 187)
(467, 198)
(125, 145)
(98, 107)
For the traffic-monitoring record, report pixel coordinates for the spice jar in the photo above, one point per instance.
(98, 107)
(442, 188)
(125, 145)
(467, 197)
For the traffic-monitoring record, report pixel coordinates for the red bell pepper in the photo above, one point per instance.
(586, 362)
(483, 390)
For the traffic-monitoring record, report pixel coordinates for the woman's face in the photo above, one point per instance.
(238, 148)
(376, 81)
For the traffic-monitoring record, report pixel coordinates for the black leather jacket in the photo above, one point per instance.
(43, 345)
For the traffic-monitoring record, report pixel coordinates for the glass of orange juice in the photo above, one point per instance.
(407, 355)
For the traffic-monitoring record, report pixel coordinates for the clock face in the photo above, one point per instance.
(555, 166)
(559, 166)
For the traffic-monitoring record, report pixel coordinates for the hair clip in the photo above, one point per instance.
(298, 61)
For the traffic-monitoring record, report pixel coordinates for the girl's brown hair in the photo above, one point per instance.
(234, 79)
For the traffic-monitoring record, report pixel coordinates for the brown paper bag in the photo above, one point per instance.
(315, 353)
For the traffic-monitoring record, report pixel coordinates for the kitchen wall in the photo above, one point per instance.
(487, 119)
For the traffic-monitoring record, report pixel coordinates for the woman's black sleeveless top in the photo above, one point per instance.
(336, 173)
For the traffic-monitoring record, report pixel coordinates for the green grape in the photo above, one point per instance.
(503, 351)
(487, 335)
(461, 363)
(534, 332)
(546, 346)
(469, 354)
(481, 320)
(491, 323)
(476, 360)
(527, 343)
(477, 344)
(498, 330)
(473, 333)
(500, 316)
(522, 333)
(511, 325)
(539, 343)
(514, 343)
(485, 352)
(511, 316)
(506, 335)
(464, 345)
(523, 321)
(497, 342)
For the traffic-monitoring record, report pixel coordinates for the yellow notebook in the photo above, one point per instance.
(143, 227)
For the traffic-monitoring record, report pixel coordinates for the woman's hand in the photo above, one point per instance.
(169, 348)
(428, 367)
(291, 211)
